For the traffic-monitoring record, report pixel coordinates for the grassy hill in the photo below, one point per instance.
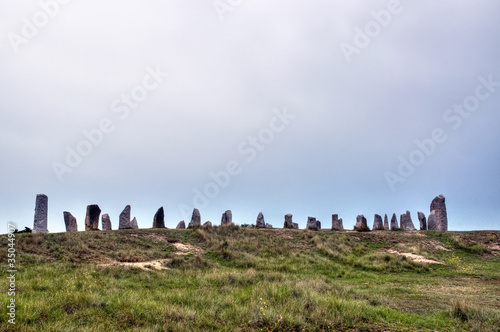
(240, 279)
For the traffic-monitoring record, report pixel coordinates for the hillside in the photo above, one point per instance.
(239, 279)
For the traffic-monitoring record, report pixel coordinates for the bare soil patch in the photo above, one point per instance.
(146, 266)
(413, 257)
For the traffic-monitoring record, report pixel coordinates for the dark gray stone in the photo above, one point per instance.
(431, 221)
(106, 222)
(92, 217)
(394, 223)
(227, 218)
(159, 218)
(422, 220)
(124, 222)
(181, 225)
(134, 224)
(260, 222)
(386, 222)
(41, 214)
(441, 220)
(195, 219)
(207, 224)
(406, 222)
(295, 225)
(377, 223)
(361, 224)
(288, 221)
(70, 221)
(337, 224)
(313, 224)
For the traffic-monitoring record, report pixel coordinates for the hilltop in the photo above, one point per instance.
(231, 278)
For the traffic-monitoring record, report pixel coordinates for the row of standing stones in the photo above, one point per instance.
(437, 219)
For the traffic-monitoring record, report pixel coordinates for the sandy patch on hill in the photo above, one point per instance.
(413, 257)
(146, 266)
(186, 248)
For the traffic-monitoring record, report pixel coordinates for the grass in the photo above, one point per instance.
(242, 279)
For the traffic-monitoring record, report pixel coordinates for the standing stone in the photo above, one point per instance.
(386, 222)
(159, 219)
(207, 224)
(260, 223)
(41, 213)
(377, 223)
(295, 225)
(269, 226)
(125, 218)
(337, 223)
(106, 222)
(422, 220)
(181, 225)
(92, 217)
(70, 221)
(195, 219)
(288, 221)
(313, 224)
(227, 218)
(361, 225)
(134, 224)
(431, 221)
(394, 223)
(438, 204)
(406, 222)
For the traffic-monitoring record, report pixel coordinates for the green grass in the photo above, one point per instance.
(241, 279)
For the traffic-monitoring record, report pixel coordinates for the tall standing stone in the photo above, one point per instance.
(134, 224)
(438, 204)
(337, 223)
(181, 225)
(312, 223)
(406, 222)
(260, 222)
(377, 223)
(422, 220)
(288, 221)
(125, 218)
(386, 222)
(361, 225)
(159, 219)
(394, 223)
(41, 214)
(227, 218)
(92, 217)
(431, 221)
(195, 219)
(106, 222)
(70, 221)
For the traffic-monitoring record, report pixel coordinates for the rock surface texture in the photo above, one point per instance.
(134, 224)
(422, 220)
(159, 218)
(406, 222)
(394, 223)
(227, 218)
(70, 221)
(440, 222)
(195, 219)
(260, 222)
(337, 223)
(106, 222)
(181, 225)
(124, 222)
(41, 214)
(92, 217)
(386, 222)
(377, 223)
(288, 221)
(361, 225)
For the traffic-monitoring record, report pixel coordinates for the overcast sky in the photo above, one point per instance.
(304, 107)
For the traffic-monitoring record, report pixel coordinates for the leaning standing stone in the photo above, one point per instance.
(125, 218)
(134, 224)
(361, 225)
(106, 222)
(227, 218)
(406, 222)
(288, 221)
(181, 225)
(337, 223)
(386, 222)
(41, 214)
(159, 219)
(422, 220)
(260, 222)
(438, 204)
(377, 223)
(92, 217)
(195, 219)
(394, 223)
(70, 221)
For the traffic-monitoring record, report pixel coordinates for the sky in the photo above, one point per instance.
(303, 107)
